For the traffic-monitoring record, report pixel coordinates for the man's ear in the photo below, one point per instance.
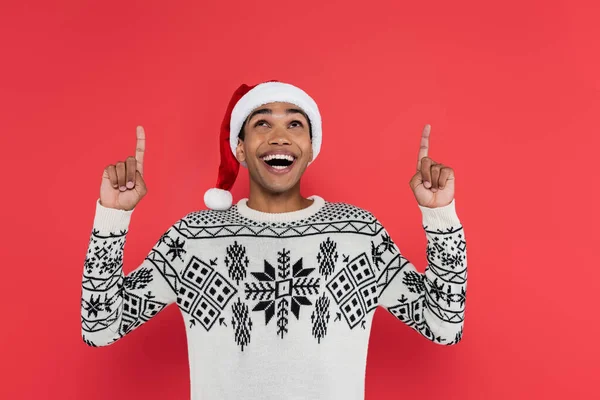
(239, 151)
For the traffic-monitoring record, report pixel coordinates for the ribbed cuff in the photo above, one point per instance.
(110, 219)
(440, 217)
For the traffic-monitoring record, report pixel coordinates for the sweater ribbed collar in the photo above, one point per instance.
(255, 215)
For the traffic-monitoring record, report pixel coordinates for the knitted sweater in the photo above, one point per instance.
(276, 305)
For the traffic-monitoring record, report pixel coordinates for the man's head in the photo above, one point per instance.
(266, 126)
(275, 143)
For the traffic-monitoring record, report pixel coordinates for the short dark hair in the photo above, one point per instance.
(241, 133)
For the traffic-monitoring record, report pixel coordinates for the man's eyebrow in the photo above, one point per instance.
(269, 111)
(294, 110)
(261, 111)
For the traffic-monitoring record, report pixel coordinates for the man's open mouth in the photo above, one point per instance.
(279, 161)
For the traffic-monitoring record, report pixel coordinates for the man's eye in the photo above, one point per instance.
(296, 122)
(262, 121)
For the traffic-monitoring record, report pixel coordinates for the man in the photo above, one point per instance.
(279, 290)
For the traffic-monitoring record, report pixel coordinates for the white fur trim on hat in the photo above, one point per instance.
(269, 92)
(218, 199)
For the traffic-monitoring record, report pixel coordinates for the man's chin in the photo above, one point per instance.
(277, 189)
(276, 183)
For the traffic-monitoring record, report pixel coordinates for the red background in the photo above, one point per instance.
(511, 90)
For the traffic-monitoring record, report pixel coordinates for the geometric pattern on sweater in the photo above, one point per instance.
(278, 291)
(446, 255)
(320, 317)
(165, 268)
(327, 257)
(204, 288)
(288, 288)
(203, 292)
(115, 292)
(101, 279)
(237, 262)
(241, 322)
(137, 310)
(282, 291)
(411, 313)
(354, 290)
(330, 212)
(441, 291)
(332, 217)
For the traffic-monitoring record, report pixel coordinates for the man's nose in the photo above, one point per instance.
(279, 136)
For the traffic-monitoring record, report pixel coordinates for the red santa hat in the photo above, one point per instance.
(245, 100)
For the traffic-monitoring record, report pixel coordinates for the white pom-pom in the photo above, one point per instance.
(218, 199)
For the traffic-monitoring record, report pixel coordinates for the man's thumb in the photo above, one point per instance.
(140, 184)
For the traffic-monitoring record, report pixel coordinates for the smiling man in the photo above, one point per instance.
(278, 291)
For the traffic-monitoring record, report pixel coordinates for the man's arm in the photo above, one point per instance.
(112, 304)
(433, 302)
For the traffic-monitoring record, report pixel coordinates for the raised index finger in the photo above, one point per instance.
(140, 148)
(424, 145)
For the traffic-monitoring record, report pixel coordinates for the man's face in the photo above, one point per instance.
(276, 146)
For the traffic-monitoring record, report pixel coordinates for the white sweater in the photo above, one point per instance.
(277, 306)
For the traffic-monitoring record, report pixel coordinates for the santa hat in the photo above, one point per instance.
(245, 100)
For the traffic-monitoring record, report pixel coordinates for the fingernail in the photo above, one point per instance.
(427, 184)
(122, 188)
(129, 184)
(434, 190)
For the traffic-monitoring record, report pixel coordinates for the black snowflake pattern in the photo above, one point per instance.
(327, 257)
(176, 247)
(93, 306)
(241, 321)
(453, 258)
(443, 291)
(236, 262)
(138, 279)
(320, 317)
(414, 281)
(377, 251)
(282, 289)
(105, 257)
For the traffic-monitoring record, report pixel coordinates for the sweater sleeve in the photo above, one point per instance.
(114, 304)
(433, 302)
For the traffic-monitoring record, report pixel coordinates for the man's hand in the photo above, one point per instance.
(433, 184)
(122, 184)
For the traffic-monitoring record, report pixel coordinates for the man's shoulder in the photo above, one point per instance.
(346, 211)
(207, 218)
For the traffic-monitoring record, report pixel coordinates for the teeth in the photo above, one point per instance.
(279, 167)
(278, 156)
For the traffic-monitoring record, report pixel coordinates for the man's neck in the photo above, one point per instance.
(288, 201)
